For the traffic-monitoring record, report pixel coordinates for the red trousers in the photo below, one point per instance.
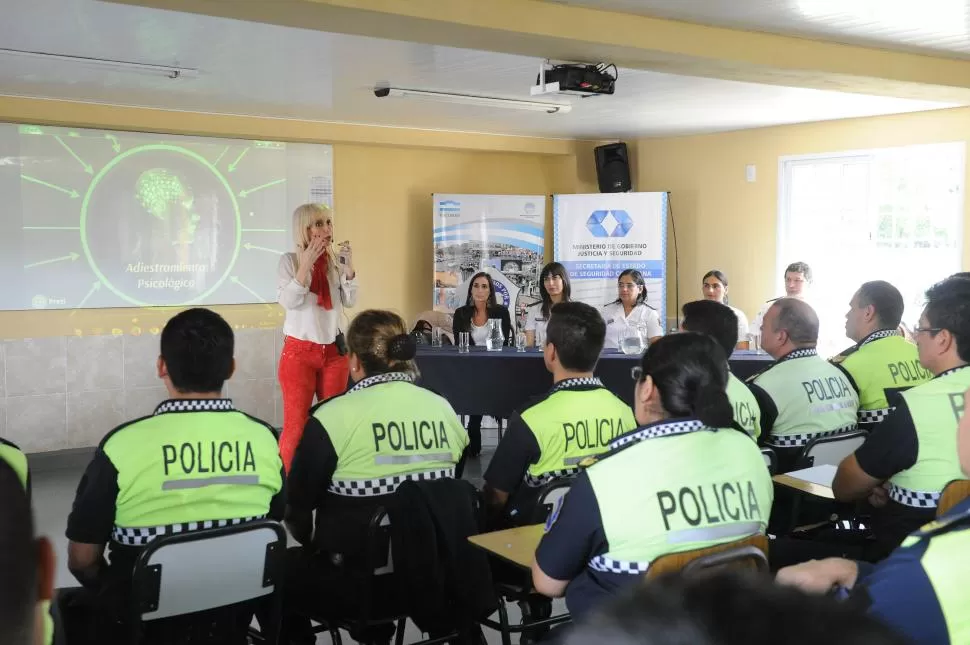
(306, 369)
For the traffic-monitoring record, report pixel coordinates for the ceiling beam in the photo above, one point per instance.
(566, 32)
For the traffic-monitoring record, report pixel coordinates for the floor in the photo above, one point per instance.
(54, 485)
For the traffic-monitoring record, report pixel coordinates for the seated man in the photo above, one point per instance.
(197, 460)
(27, 566)
(550, 436)
(798, 283)
(882, 360)
(721, 323)
(801, 396)
(920, 590)
(914, 448)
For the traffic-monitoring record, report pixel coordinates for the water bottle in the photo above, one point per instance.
(495, 339)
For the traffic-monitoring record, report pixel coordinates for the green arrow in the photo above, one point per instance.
(221, 154)
(249, 191)
(114, 142)
(52, 228)
(94, 287)
(235, 280)
(232, 166)
(253, 247)
(70, 256)
(73, 193)
(87, 168)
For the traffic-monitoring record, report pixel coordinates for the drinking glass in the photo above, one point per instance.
(520, 341)
(464, 342)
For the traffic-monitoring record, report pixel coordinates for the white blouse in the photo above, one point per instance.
(742, 324)
(305, 319)
(617, 323)
(536, 322)
(479, 334)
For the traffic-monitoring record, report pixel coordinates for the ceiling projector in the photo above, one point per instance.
(576, 79)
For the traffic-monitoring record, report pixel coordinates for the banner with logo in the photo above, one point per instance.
(598, 236)
(501, 234)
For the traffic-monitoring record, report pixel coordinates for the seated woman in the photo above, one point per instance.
(630, 309)
(480, 307)
(686, 479)
(553, 289)
(355, 451)
(715, 287)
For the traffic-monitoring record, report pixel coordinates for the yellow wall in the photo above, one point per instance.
(382, 199)
(726, 223)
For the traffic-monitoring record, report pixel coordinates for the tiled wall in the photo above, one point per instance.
(58, 393)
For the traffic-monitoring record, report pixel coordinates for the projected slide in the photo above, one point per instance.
(110, 219)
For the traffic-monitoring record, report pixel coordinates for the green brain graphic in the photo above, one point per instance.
(162, 193)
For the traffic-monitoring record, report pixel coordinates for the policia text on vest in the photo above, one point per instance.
(410, 435)
(203, 458)
(710, 504)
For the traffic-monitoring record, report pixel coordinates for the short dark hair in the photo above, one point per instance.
(553, 268)
(886, 300)
(638, 280)
(197, 347)
(948, 307)
(578, 332)
(18, 561)
(727, 608)
(491, 289)
(691, 373)
(799, 319)
(962, 274)
(714, 319)
(800, 267)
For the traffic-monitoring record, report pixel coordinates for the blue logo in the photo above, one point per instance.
(449, 208)
(609, 223)
(529, 209)
(502, 292)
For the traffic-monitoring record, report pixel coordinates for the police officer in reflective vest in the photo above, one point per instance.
(920, 589)
(196, 463)
(882, 361)
(914, 449)
(356, 450)
(801, 396)
(549, 437)
(686, 479)
(721, 323)
(10, 453)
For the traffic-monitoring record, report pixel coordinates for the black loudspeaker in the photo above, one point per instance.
(613, 168)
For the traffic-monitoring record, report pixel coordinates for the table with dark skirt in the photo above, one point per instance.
(497, 383)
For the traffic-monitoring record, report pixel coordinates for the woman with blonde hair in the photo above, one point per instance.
(314, 285)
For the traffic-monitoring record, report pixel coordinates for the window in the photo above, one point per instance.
(892, 214)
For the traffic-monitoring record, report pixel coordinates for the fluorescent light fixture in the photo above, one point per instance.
(471, 99)
(169, 71)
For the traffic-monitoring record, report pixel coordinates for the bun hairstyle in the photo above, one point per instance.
(691, 373)
(380, 341)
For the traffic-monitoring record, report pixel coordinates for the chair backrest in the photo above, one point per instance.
(771, 459)
(748, 553)
(953, 493)
(185, 573)
(379, 543)
(831, 450)
(549, 497)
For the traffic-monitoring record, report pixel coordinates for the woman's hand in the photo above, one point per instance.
(308, 258)
(820, 576)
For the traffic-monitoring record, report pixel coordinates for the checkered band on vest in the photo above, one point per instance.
(570, 383)
(384, 485)
(878, 335)
(143, 535)
(913, 498)
(659, 430)
(605, 564)
(801, 440)
(535, 481)
(390, 377)
(799, 353)
(194, 405)
(873, 416)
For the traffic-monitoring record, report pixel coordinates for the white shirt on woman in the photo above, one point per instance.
(479, 334)
(617, 322)
(305, 319)
(742, 324)
(536, 322)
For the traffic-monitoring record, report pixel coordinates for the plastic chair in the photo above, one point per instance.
(953, 493)
(831, 449)
(748, 553)
(185, 573)
(549, 497)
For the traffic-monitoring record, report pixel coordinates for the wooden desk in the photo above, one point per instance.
(808, 480)
(517, 545)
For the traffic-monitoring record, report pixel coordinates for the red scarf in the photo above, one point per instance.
(320, 283)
